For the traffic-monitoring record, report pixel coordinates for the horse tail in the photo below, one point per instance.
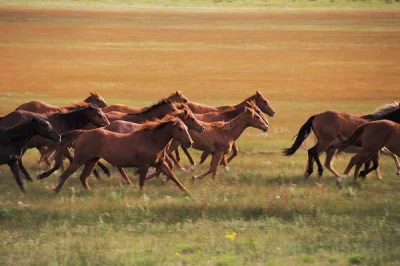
(67, 141)
(304, 132)
(350, 141)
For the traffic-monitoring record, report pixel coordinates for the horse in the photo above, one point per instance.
(258, 97)
(219, 137)
(330, 126)
(175, 97)
(14, 139)
(220, 116)
(373, 136)
(120, 126)
(142, 148)
(61, 122)
(42, 107)
(157, 110)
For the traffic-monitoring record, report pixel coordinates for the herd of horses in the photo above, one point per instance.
(127, 136)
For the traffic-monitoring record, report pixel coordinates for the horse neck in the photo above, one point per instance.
(24, 131)
(161, 136)
(237, 126)
(393, 116)
(238, 109)
(243, 103)
(73, 106)
(71, 120)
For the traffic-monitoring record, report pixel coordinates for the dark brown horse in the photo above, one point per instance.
(143, 148)
(175, 97)
(120, 126)
(61, 122)
(14, 139)
(258, 97)
(329, 127)
(157, 110)
(42, 107)
(373, 136)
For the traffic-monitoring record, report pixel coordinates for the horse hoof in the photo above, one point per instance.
(398, 173)
(183, 169)
(320, 174)
(339, 183)
(38, 177)
(306, 175)
(193, 178)
(227, 168)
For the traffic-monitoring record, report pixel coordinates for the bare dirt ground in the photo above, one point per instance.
(213, 56)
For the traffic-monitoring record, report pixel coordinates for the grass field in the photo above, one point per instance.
(261, 212)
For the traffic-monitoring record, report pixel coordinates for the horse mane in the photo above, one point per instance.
(81, 104)
(157, 123)
(152, 107)
(383, 111)
(75, 118)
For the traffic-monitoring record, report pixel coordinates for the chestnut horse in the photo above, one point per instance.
(142, 148)
(42, 107)
(120, 126)
(219, 137)
(220, 116)
(61, 122)
(373, 136)
(258, 97)
(175, 97)
(330, 126)
(14, 139)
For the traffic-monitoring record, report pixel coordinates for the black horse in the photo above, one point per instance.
(14, 139)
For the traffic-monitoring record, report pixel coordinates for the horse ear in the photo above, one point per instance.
(258, 93)
(178, 93)
(91, 93)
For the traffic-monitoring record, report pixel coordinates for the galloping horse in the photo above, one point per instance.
(14, 139)
(61, 122)
(219, 137)
(42, 107)
(258, 97)
(373, 136)
(330, 126)
(142, 148)
(175, 97)
(120, 126)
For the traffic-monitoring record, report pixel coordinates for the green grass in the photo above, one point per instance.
(279, 218)
(208, 3)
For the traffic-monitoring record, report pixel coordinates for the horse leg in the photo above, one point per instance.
(224, 162)
(310, 163)
(375, 165)
(163, 166)
(57, 164)
(175, 161)
(17, 175)
(330, 153)
(64, 176)
(24, 172)
(142, 176)
(89, 165)
(156, 173)
(366, 168)
(177, 156)
(203, 157)
(188, 155)
(124, 175)
(104, 168)
(385, 151)
(215, 161)
(235, 151)
(359, 158)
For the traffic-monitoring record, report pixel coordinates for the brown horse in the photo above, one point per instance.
(120, 126)
(61, 122)
(220, 116)
(42, 107)
(143, 148)
(157, 110)
(258, 97)
(175, 97)
(219, 137)
(330, 126)
(373, 136)
(14, 139)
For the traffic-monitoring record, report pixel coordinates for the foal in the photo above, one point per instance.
(14, 139)
(219, 137)
(374, 136)
(146, 148)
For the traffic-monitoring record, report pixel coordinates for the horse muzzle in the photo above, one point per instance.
(265, 129)
(188, 144)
